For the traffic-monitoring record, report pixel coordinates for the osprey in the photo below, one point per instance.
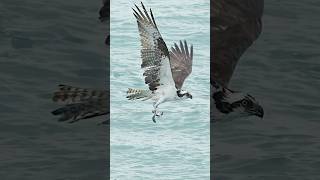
(164, 70)
(235, 25)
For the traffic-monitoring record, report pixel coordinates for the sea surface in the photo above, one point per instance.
(43, 44)
(178, 145)
(282, 70)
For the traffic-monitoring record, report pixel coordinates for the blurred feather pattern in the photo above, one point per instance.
(235, 25)
(80, 103)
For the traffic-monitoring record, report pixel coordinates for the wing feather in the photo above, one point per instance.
(236, 25)
(154, 52)
(181, 62)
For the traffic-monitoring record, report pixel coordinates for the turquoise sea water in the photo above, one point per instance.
(178, 145)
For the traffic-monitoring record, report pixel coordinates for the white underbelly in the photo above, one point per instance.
(166, 93)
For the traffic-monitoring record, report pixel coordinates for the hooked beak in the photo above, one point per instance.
(259, 111)
(190, 96)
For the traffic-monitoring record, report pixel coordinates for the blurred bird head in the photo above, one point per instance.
(227, 102)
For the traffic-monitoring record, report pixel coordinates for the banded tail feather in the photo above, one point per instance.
(78, 111)
(80, 103)
(69, 94)
(133, 94)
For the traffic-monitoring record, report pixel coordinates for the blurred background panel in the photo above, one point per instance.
(44, 44)
(282, 70)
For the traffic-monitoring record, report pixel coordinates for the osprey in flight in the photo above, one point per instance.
(164, 70)
(235, 25)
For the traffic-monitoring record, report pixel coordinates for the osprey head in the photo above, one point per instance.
(183, 94)
(237, 103)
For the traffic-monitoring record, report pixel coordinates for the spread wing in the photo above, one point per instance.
(154, 52)
(80, 103)
(236, 25)
(181, 62)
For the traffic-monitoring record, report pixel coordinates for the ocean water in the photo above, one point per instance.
(43, 44)
(282, 70)
(178, 145)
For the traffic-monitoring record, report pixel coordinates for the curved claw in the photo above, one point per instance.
(154, 118)
(156, 114)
